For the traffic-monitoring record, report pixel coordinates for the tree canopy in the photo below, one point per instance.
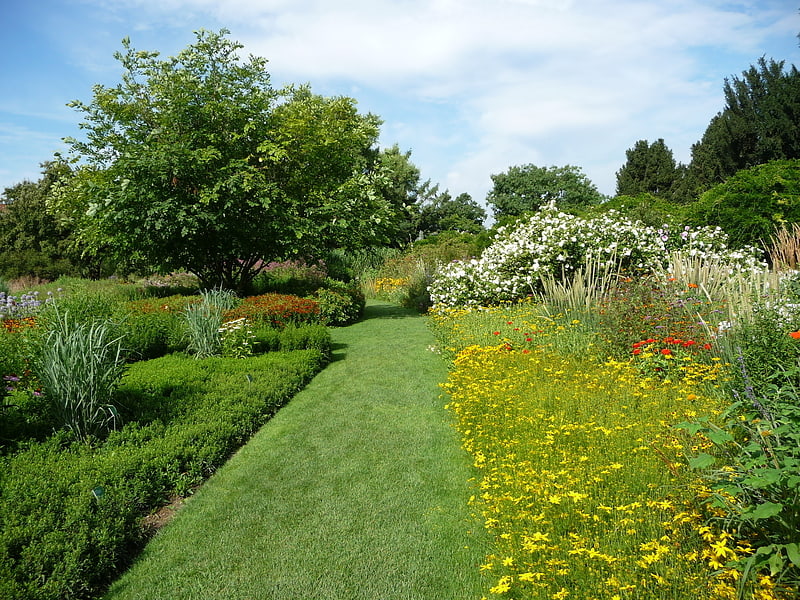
(32, 241)
(442, 212)
(195, 162)
(526, 188)
(759, 123)
(400, 187)
(649, 169)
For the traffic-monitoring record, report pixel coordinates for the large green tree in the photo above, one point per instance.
(399, 185)
(32, 241)
(649, 169)
(442, 212)
(759, 123)
(526, 188)
(195, 162)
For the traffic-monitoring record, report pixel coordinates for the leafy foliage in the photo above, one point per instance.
(71, 515)
(442, 212)
(751, 204)
(339, 303)
(196, 163)
(649, 169)
(760, 123)
(400, 187)
(526, 188)
(32, 241)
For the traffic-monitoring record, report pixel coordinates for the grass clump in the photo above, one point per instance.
(79, 365)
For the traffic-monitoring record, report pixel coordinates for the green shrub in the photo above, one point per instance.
(750, 204)
(650, 210)
(82, 307)
(150, 335)
(153, 327)
(71, 515)
(340, 303)
(358, 265)
(306, 337)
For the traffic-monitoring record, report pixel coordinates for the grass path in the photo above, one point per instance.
(356, 489)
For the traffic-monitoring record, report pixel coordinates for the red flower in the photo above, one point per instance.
(666, 351)
(795, 335)
(706, 346)
(637, 351)
(495, 333)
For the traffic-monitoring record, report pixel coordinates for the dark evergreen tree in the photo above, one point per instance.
(760, 123)
(650, 169)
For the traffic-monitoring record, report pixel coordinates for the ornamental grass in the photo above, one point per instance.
(580, 477)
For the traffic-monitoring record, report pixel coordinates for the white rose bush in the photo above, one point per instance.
(555, 243)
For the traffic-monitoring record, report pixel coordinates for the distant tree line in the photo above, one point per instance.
(744, 173)
(197, 163)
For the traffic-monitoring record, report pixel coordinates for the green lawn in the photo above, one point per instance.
(356, 489)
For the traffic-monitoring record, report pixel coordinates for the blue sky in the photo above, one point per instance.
(471, 87)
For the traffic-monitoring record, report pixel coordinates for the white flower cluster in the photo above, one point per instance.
(552, 242)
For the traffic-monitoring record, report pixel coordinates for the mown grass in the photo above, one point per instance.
(356, 489)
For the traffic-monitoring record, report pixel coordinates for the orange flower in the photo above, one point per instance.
(795, 335)
(692, 285)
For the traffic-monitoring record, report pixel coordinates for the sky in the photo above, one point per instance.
(470, 87)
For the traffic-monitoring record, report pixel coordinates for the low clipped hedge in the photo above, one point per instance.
(294, 337)
(71, 515)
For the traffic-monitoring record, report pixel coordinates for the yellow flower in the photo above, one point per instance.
(561, 594)
(502, 586)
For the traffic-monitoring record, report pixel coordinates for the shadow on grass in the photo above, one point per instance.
(338, 352)
(388, 311)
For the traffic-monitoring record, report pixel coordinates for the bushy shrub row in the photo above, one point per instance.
(339, 303)
(294, 337)
(71, 515)
(554, 243)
